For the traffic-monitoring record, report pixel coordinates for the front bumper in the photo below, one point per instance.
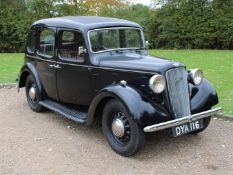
(183, 120)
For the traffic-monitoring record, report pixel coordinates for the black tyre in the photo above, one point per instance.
(32, 94)
(206, 122)
(124, 135)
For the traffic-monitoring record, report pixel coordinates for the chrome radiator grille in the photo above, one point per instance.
(177, 86)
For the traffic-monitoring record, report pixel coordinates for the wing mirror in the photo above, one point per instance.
(147, 44)
(82, 51)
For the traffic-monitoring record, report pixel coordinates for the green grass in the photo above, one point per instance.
(216, 65)
(10, 65)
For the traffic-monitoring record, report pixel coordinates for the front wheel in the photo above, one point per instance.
(124, 135)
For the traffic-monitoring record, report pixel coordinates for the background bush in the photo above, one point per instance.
(173, 24)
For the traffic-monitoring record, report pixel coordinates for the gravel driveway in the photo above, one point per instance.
(32, 143)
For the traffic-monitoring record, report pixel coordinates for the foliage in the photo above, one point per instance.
(193, 24)
(16, 16)
(138, 13)
(14, 23)
(173, 24)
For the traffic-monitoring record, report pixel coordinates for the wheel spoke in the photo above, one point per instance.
(121, 128)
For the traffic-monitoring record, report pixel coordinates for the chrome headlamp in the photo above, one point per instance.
(196, 76)
(157, 84)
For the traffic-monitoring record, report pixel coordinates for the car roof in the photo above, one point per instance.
(85, 23)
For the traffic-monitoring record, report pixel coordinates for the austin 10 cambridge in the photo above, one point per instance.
(88, 68)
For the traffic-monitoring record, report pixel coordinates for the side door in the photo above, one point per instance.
(73, 75)
(46, 59)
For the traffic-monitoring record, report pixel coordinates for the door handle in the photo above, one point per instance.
(57, 66)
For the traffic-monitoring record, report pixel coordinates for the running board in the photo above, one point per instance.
(64, 111)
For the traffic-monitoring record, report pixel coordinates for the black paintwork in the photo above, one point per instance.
(96, 80)
(142, 109)
(203, 97)
(136, 62)
(85, 23)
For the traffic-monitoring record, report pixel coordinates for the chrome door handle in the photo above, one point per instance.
(57, 66)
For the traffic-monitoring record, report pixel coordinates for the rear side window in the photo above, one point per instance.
(47, 42)
(68, 36)
(31, 45)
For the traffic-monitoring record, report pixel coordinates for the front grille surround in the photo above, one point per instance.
(178, 92)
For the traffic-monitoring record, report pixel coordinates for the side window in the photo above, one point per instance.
(72, 46)
(31, 45)
(47, 42)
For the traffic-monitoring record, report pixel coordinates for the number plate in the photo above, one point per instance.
(186, 128)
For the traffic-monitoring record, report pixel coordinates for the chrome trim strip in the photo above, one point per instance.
(180, 121)
(89, 41)
(41, 59)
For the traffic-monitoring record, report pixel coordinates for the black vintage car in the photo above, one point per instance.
(87, 68)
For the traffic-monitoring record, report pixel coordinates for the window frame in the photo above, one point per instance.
(106, 28)
(61, 29)
(39, 31)
(30, 39)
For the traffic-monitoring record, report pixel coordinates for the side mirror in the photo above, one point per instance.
(147, 44)
(82, 50)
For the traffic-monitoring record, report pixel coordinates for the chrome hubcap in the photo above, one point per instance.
(118, 127)
(32, 93)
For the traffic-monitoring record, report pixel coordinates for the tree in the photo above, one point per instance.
(193, 24)
(14, 23)
(137, 13)
(42, 9)
(179, 24)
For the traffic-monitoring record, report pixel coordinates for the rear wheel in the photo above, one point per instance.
(32, 94)
(124, 135)
(206, 122)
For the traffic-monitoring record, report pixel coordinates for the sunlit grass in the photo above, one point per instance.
(10, 65)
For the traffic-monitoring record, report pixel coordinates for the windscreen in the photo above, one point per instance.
(115, 38)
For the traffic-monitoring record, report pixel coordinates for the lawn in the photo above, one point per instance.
(217, 67)
(10, 65)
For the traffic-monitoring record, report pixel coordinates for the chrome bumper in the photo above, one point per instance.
(183, 120)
